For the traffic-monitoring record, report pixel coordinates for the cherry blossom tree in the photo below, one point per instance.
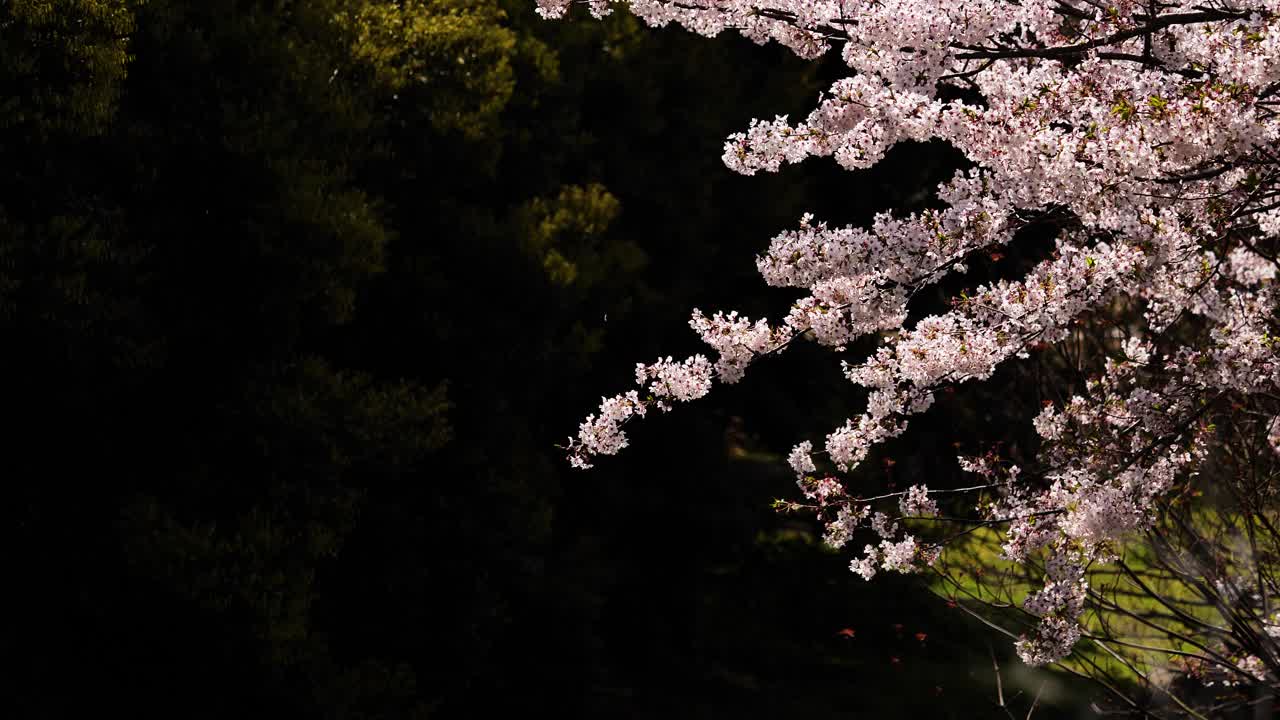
(1144, 136)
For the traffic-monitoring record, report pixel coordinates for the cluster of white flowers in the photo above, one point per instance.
(603, 435)
(848, 519)
(688, 380)
(917, 503)
(737, 341)
(897, 551)
(667, 380)
(1151, 142)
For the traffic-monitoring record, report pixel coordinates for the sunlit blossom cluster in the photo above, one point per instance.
(1147, 144)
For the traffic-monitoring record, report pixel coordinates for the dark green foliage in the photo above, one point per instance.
(64, 63)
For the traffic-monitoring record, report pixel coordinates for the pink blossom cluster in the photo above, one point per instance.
(1147, 135)
(667, 379)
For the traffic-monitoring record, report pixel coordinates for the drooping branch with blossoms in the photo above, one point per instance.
(1148, 133)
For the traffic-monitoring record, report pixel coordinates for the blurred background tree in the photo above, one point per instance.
(299, 296)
